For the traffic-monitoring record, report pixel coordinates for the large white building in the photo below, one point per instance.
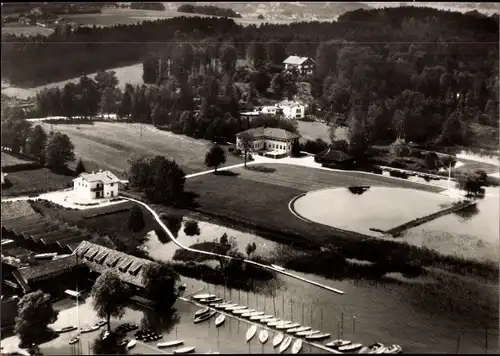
(304, 65)
(274, 142)
(96, 185)
(292, 109)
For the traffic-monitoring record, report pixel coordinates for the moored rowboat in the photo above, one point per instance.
(220, 319)
(184, 350)
(285, 344)
(260, 317)
(298, 329)
(251, 332)
(297, 346)
(242, 311)
(201, 312)
(204, 296)
(317, 336)
(278, 339)
(169, 343)
(263, 336)
(204, 317)
(307, 333)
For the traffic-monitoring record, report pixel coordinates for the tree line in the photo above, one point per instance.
(207, 10)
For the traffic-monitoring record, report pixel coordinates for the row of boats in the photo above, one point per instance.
(284, 338)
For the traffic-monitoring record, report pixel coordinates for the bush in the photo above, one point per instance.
(237, 152)
(136, 219)
(340, 145)
(191, 228)
(314, 146)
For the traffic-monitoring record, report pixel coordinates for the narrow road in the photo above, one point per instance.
(172, 237)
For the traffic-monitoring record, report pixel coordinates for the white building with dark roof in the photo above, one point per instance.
(292, 109)
(270, 141)
(304, 65)
(96, 185)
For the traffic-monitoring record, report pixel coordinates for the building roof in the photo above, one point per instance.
(269, 132)
(45, 269)
(105, 177)
(290, 103)
(296, 60)
(101, 259)
(333, 156)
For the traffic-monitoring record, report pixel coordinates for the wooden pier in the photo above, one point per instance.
(398, 230)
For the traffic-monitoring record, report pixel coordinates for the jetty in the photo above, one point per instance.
(398, 230)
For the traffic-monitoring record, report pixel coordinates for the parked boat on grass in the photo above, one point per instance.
(278, 339)
(220, 319)
(205, 317)
(169, 343)
(297, 346)
(251, 332)
(350, 348)
(285, 344)
(201, 312)
(263, 336)
(184, 350)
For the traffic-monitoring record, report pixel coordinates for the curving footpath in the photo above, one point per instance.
(172, 237)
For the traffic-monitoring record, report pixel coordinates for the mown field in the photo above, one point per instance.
(260, 197)
(107, 145)
(34, 181)
(26, 30)
(129, 74)
(9, 160)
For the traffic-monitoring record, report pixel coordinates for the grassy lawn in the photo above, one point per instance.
(470, 166)
(33, 181)
(260, 199)
(314, 130)
(108, 145)
(9, 160)
(131, 74)
(26, 30)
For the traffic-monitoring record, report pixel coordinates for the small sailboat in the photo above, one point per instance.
(317, 336)
(338, 343)
(238, 307)
(66, 329)
(201, 312)
(211, 300)
(170, 343)
(297, 346)
(285, 344)
(278, 339)
(247, 315)
(242, 311)
(204, 296)
(285, 325)
(184, 350)
(131, 343)
(393, 349)
(204, 317)
(220, 319)
(298, 329)
(260, 317)
(307, 333)
(263, 336)
(251, 332)
(349, 348)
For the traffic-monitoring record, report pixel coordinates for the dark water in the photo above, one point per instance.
(424, 314)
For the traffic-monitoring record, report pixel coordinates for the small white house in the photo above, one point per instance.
(292, 109)
(272, 110)
(304, 65)
(96, 185)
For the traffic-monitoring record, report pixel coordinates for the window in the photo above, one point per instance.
(111, 184)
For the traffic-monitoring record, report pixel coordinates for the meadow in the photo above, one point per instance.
(26, 30)
(107, 145)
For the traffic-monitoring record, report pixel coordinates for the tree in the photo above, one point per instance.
(36, 142)
(472, 183)
(174, 223)
(228, 57)
(160, 282)
(15, 134)
(125, 108)
(223, 239)
(257, 53)
(295, 151)
(80, 167)
(139, 172)
(34, 314)
(332, 129)
(215, 157)
(69, 100)
(59, 151)
(109, 345)
(277, 83)
(136, 219)
(359, 134)
(191, 228)
(250, 248)
(108, 101)
(166, 181)
(106, 80)
(246, 143)
(261, 81)
(110, 296)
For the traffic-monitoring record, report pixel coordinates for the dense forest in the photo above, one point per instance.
(158, 6)
(207, 10)
(418, 73)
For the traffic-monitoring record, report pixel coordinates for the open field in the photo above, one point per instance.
(261, 199)
(26, 30)
(11, 210)
(315, 130)
(36, 180)
(9, 160)
(108, 145)
(126, 75)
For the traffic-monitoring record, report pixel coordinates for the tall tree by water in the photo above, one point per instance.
(110, 296)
